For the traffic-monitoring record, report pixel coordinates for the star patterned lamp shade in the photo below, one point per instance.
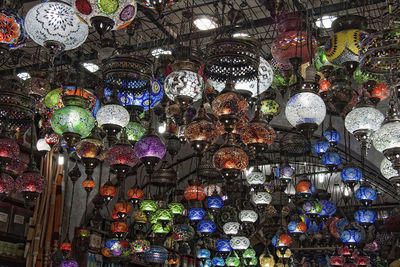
(156, 254)
(7, 184)
(113, 14)
(184, 85)
(297, 227)
(321, 147)
(223, 245)
(240, 243)
(305, 108)
(12, 29)
(366, 195)
(55, 24)
(351, 175)
(365, 216)
(350, 237)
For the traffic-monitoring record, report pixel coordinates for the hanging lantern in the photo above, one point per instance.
(350, 237)
(281, 242)
(284, 173)
(150, 149)
(366, 195)
(201, 132)
(261, 198)
(270, 108)
(388, 171)
(305, 188)
(218, 261)
(256, 177)
(9, 150)
(229, 107)
(148, 206)
(344, 45)
(139, 216)
(203, 254)
(140, 246)
(249, 253)
(306, 110)
(7, 184)
(164, 216)
(223, 246)
(108, 191)
(351, 175)
(160, 229)
(240, 243)
(13, 29)
(232, 261)
(55, 26)
(176, 208)
(257, 135)
(122, 208)
(365, 217)
(119, 229)
(31, 183)
(297, 227)
(331, 159)
(248, 216)
(215, 202)
(230, 160)
(135, 195)
(105, 16)
(332, 136)
(328, 209)
(196, 214)
(231, 228)
(156, 254)
(386, 139)
(206, 227)
(321, 147)
(88, 184)
(184, 86)
(312, 208)
(194, 191)
(182, 232)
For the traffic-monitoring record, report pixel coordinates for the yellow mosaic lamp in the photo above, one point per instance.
(267, 260)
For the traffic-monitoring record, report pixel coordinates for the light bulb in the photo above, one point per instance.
(346, 192)
(162, 128)
(60, 159)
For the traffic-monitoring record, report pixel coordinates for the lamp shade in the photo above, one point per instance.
(365, 193)
(72, 119)
(305, 107)
(150, 146)
(284, 173)
(184, 83)
(41, 145)
(297, 227)
(215, 202)
(231, 228)
(328, 208)
(351, 175)
(332, 136)
(248, 216)
(121, 154)
(206, 226)
(350, 236)
(261, 198)
(182, 232)
(13, 29)
(363, 119)
(387, 136)
(218, 261)
(135, 131)
(117, 13)
(240, 243)
(321, 147)
(331, 159)
(30, 182)
(148, 205)
(196, 214)
(230, 157)
(140, 246)
(256, 177)
(203, 254)
(232, 261)
(223, 245)
(113, 114)
(156, 254)
(69, 263)
(305, 188)
(194, 192)
(55, 23)
(176, 208)
(282, 240)
(365, 216)
(387, 169)
(7, 183)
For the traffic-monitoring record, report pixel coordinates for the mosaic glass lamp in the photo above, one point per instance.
(184, 86)
(321, 147)
(365, 217)
(297, 227)
(206, 227)
(351, 175)
(366, 195)
(55, 26)
(150, 149)
(12, 29)
(350, 237)
(105, 15)
(156, 254)
(240, 243)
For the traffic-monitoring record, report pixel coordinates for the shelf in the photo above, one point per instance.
(14, 261)
(11, 238)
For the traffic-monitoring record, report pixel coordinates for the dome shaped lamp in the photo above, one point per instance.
(365, 217)
(305, 189)
(284, 173)
(321, 147)
(386, 139)
(331, 159)
(108, 191)
(121, 157)
(351, 175)
(366, 195)
(223, 246)
(281, 242)
(350, 238)
(206, 227)
(105, 15)
(31, 184)
(55, 26)
(362, 122)
(306, 110)
(112, 117)
(229, 106)
(150, 150)
(201, 132)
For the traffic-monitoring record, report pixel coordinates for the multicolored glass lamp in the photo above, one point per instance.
(297, 227)
(105, 15)
(55, 26)
(13, 29)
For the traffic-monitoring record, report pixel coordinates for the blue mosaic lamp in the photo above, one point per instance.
(328, 209)
(196, 214)
(321, 147)
(203, 254)
(331, 159)
(366, 195)
(206, 227)
(351, 175)
(297, 227)
(218, 261)
(156, 254)
(215, 202)
(284, 173)
(350, 237)
(332, 136)
(365, 217)
(223, 245)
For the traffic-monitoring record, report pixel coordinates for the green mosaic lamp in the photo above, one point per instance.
(148, 206)
(176, 208)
